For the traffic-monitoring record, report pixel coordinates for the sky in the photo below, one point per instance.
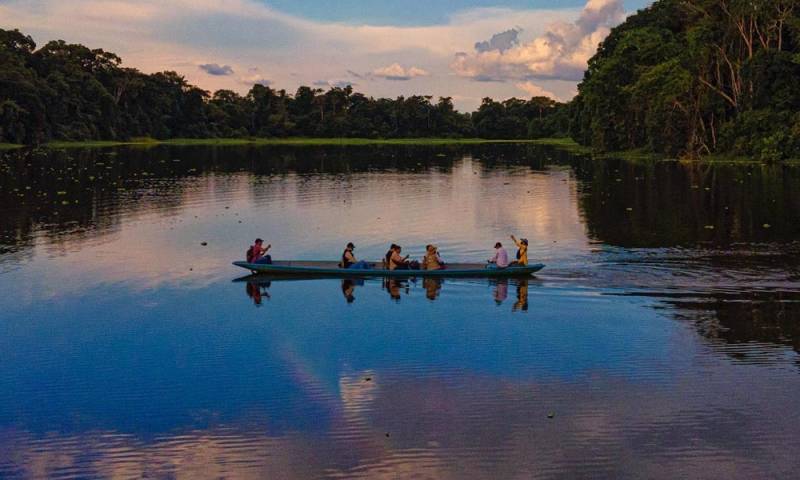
(466, 50)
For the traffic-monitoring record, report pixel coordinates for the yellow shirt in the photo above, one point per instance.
(523, 253)
(431, 262)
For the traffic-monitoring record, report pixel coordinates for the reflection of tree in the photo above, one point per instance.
(671, 203)
(745, 326)
(79, 194)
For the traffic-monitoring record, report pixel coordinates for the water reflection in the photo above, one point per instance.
(753, 327)
(668, 204)
(257, 287)
(257, 291)
(671, 295)
(432, 286)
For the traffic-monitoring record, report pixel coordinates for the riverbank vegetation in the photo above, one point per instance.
(681, 78)
(67, 92)
(696, 77)
(289, 141)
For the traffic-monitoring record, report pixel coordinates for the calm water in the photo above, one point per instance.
(661, 341)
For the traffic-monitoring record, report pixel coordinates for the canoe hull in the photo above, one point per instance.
(330, 269)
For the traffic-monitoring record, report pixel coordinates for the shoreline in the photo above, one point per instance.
(563, 144)
(298, 141)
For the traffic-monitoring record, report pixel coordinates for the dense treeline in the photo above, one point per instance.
(691, 77)
(69, 92)
(682, 77)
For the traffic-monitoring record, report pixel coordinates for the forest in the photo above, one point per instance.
(679, 78)
(68, 92)
(693, 77)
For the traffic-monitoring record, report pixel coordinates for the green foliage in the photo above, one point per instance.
(692, 77)
(67, 92)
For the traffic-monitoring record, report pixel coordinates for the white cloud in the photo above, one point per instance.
(255, 79)
(534, 90)
(561, 52)
(156, 35)
(396, 71)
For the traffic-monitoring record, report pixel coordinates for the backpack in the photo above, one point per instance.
(249, 255)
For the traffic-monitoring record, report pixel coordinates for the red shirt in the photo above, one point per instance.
(258, 252)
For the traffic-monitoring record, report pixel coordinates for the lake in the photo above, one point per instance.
(661, 340)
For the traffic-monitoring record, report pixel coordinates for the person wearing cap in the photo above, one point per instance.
(500, 258)
(522, 251)
(258, 254)
(349, 259)
(432, 260)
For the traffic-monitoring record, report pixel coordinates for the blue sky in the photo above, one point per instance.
(410, 12)
(467, 50)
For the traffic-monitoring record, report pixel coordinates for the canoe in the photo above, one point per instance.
(304, 267)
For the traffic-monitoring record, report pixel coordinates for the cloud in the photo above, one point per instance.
(561, 52)
(255, 79)
(396, 71)
(334, 83)
(179, 35)
(214, 69)
(500, 41)
(355, 74)
(534, 90)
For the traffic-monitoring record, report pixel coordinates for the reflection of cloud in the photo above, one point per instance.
(464, 427)
(396, 71)
(214, 69)
(562, 52)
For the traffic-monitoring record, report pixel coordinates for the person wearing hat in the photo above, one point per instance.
(432, 260)
(522, 251)
(349, 259)
(500, 258)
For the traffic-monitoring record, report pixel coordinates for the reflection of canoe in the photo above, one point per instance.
(303, 267)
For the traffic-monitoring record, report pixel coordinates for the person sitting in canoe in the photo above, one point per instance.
(397, 262)
(522, 251)
(349, 259)
(500, 258)
(258, 254)
(432, 260)
(388, 256)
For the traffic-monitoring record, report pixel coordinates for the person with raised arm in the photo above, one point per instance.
(522, 251)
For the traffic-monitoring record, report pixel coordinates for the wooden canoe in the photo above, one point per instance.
(305, 267)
